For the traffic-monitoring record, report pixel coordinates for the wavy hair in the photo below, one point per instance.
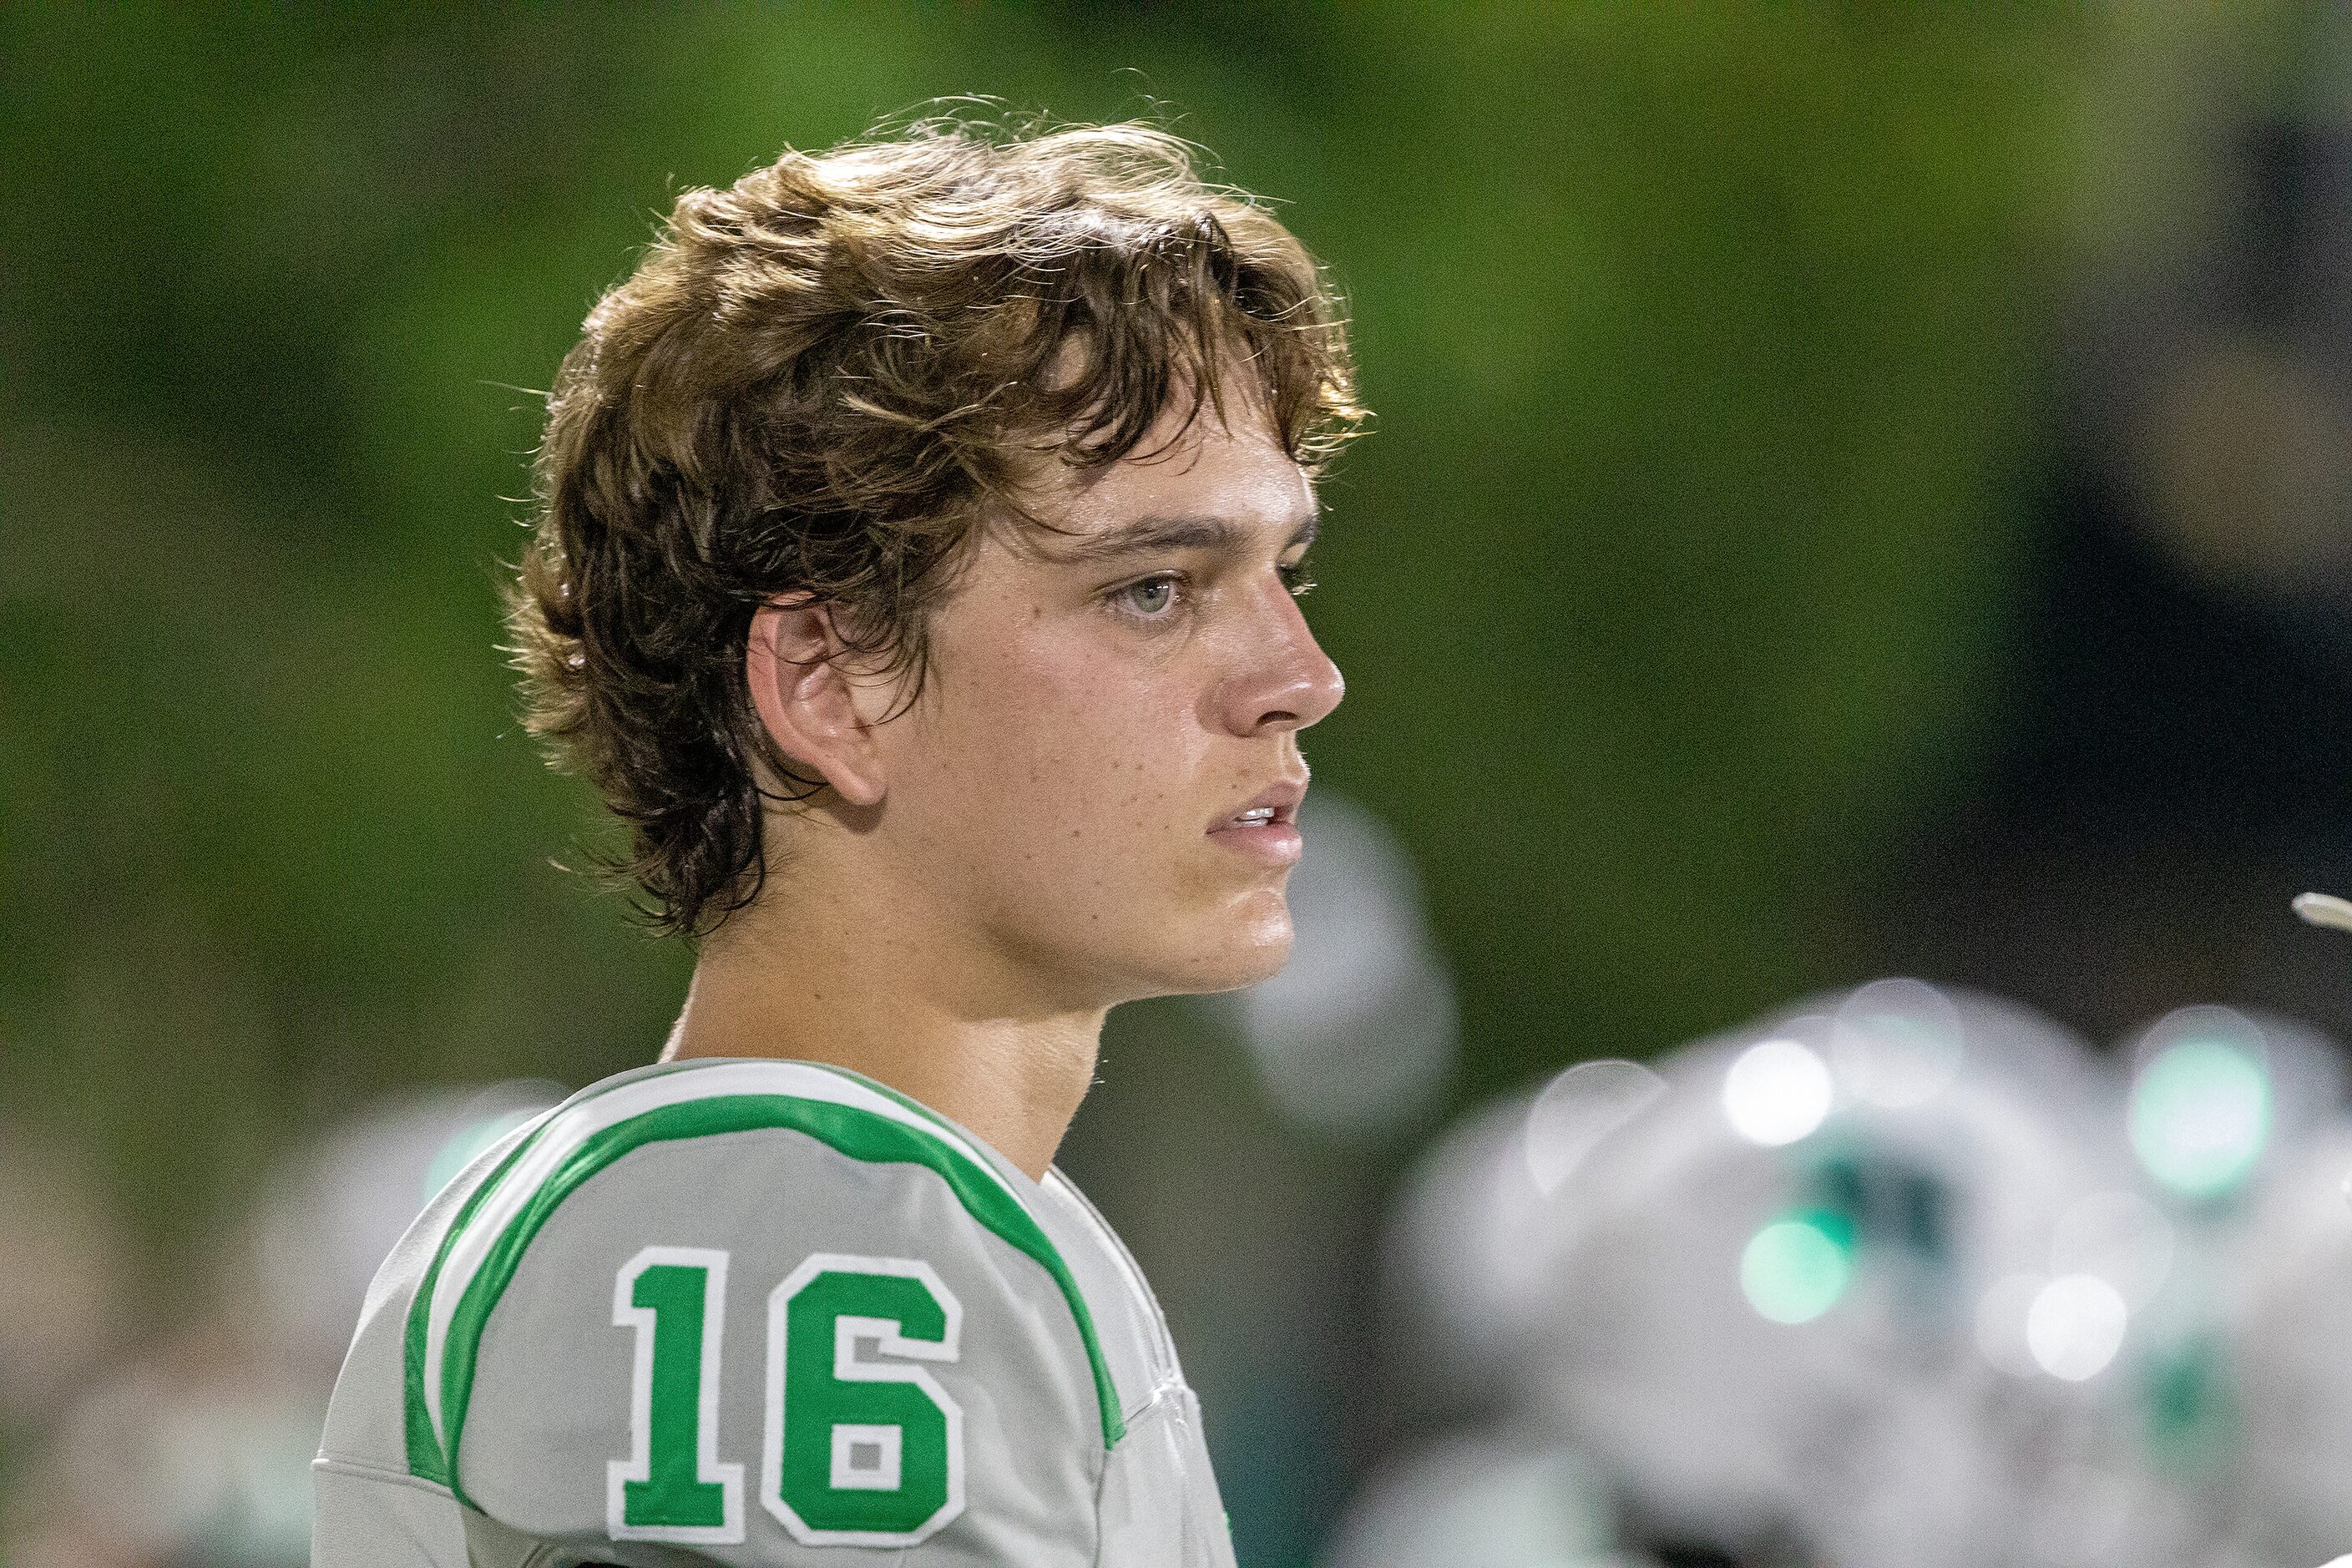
(816, 381)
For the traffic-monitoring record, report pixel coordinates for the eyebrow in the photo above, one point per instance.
(1147, 534)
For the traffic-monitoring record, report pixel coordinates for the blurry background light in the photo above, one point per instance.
(1356, 1034)
(332, 1211)
(1795, 1270)
(1578, 1108)
(2200, 1112)
(2076, 1326)
(469, 1141)
(2118, 1235)
(1897, 1042)
(1776, 1091)
(1457, 1250)
(2000, 1323)
(2246, 462)
(2262, 1397)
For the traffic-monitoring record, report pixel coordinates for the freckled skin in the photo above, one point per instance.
(1058, 776)
(1027, 844)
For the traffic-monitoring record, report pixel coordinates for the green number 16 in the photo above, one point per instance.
(860, 1445)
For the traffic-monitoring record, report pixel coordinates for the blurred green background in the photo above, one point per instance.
(1680, 582)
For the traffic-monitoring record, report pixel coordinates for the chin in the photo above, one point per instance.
(1239, 953)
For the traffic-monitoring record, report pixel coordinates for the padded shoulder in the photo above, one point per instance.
(674, 1224)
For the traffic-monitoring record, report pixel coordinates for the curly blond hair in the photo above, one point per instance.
(817, 382)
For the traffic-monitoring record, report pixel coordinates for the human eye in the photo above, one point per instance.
(1153, 598)
(1298, 577)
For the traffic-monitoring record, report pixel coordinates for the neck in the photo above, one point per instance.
(1012, 1073)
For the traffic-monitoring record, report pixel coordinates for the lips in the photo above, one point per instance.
(1265, 829)
(1275, 804)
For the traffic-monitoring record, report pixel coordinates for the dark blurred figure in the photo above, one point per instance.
(2178, 759)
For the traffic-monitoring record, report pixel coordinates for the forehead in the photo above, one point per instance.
(1236, 473)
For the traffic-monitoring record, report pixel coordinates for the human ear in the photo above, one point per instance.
(808, 700)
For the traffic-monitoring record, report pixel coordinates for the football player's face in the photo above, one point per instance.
(1102, 772)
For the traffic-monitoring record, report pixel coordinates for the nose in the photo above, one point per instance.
(1281, 679)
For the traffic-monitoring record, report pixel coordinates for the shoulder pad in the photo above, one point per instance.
(711, 1301)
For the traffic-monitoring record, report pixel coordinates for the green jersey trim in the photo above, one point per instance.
(419, 1405)
(485, 1242)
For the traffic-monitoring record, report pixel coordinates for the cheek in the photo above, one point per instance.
(1053, 761)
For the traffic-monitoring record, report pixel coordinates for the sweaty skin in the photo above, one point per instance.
(1049, 828)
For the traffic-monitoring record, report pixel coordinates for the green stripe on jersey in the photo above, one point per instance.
(423, 1444)
(852, 1130)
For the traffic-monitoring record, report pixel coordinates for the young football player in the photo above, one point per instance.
(918, 536)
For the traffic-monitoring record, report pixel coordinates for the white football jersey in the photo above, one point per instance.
(758, 1312)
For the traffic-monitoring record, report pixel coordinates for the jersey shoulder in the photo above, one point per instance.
(749, 1304)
